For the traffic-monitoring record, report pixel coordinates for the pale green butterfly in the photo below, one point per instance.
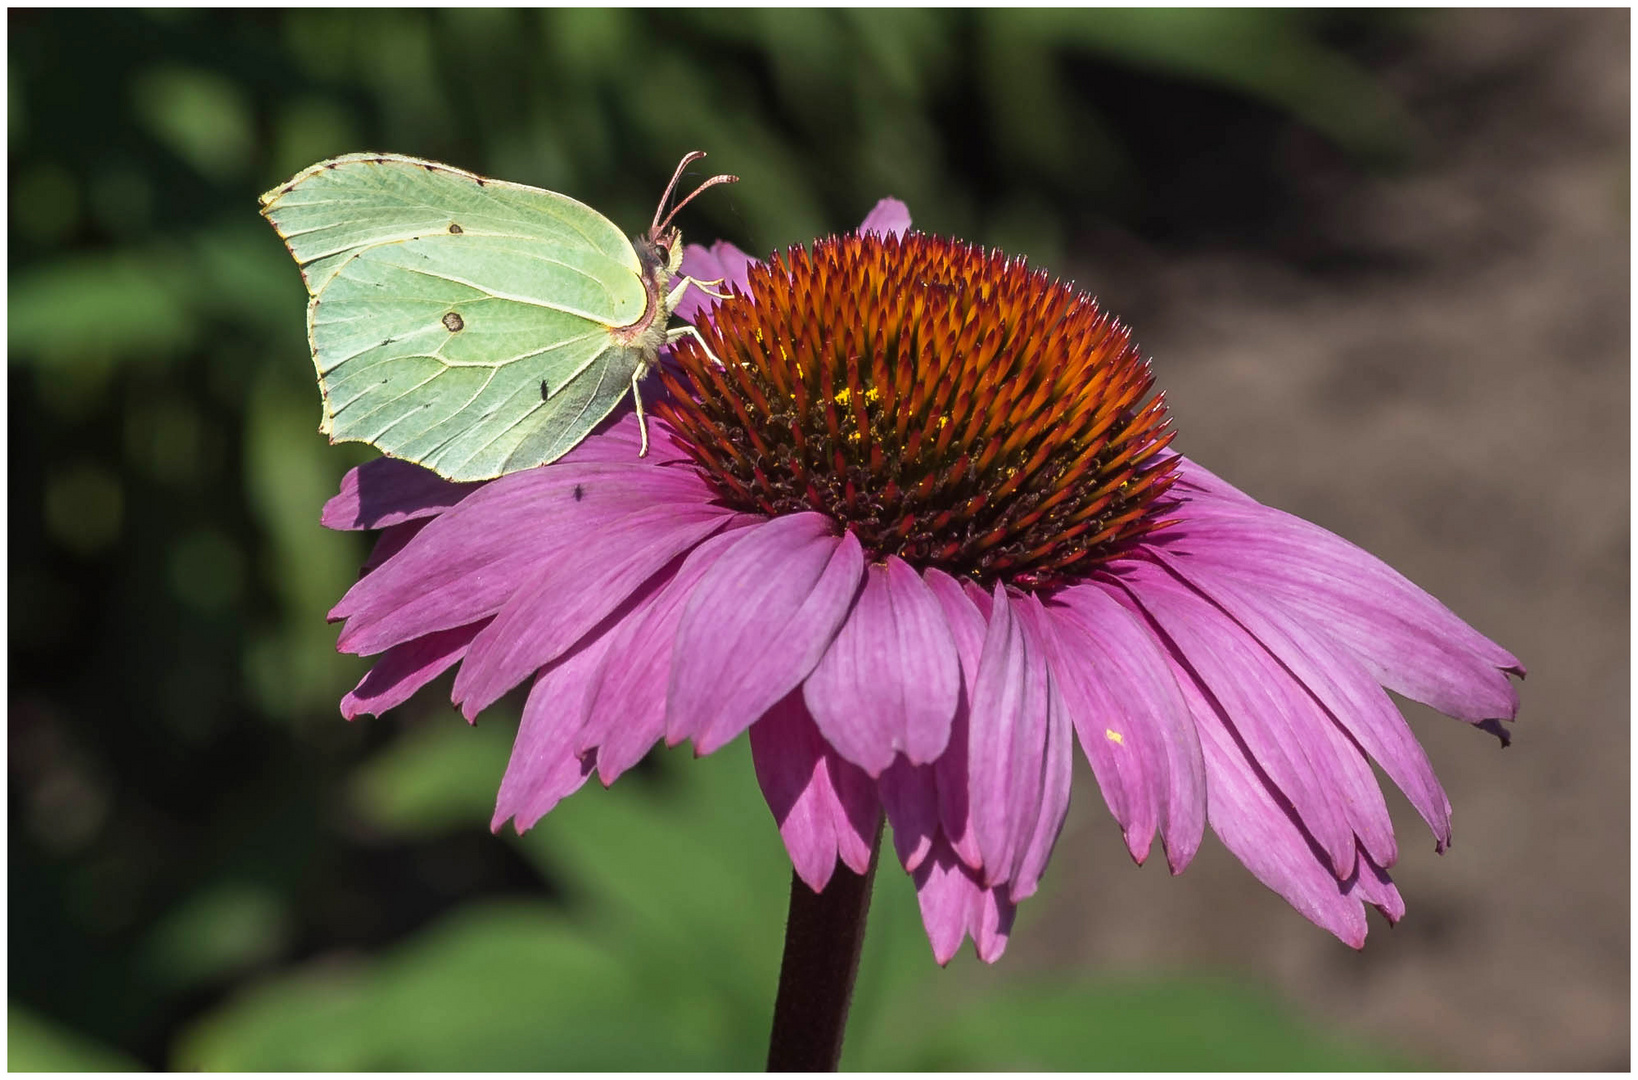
(474, 326)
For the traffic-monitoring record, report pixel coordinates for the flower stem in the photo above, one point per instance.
(823, 936)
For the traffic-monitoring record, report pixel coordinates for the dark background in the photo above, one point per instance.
(1381, 262)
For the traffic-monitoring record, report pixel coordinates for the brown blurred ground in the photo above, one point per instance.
(1443, 379)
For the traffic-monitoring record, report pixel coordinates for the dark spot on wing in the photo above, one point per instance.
(481, 181)
(454, 323)
(543, 391)
(380, 161)
(579, 492)
(386, 341)
(454, 228)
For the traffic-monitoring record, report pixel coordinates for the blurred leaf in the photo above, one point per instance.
(1271, 54)
(123, 305)
(289, 473)
(439, 775)
(227, 926)
(84, 507)
(34, 1044)
(200, 115)
(496, 986)
(1183, 1024)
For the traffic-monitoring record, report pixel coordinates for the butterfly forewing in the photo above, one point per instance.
(463, 324)
(338, 207)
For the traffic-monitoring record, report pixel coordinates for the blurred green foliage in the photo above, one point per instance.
(208, 868)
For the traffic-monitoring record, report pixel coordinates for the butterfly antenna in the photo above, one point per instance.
(688, 159)
(720, 178)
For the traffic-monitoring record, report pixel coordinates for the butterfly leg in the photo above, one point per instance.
(677, 333)
(675, 297)
(637, 396)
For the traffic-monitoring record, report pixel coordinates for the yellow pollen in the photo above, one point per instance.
(1114, 736)
(873, 395)
(843, 396)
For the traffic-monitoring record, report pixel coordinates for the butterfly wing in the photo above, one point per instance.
(461, 323)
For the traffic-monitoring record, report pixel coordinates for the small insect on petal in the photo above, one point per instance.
(1114, 736)
(454, 323)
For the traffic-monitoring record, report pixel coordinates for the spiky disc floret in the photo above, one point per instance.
(946, 404)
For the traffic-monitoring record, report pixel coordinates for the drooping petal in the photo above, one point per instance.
(404, 669)
(1006, 742)
(468, 562)
(825, 808)
(1258, 703)
(387, 492)
(1373, 885)
(967, 626)
(1406, 639)
(1057, 759)
(1260, 832)
(954, 904)
(1351, 697)
(909, 794)
(789, 756)
(757, 624)
(567, 596)
(890, 681)
(889, 217)
(1133, 724)
(544, 768)
(625, 713)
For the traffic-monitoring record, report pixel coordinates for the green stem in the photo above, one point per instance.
(823, 936)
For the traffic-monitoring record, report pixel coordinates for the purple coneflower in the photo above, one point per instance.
(919, 536)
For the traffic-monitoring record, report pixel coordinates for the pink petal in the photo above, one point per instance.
(889, 217)
(1133, 725)
(619, 440)
(757, 624)
(1057, 760)
(468, 562)
(1406, 639)
(968, 628)
(1007, 742)
(1257, 703)
(404, 669)
(1195, 479)
(626, 710)
(568, 595)
(789, 756)
(826, 809)
(1262, 835)
(890, 681)
(1372, 885)
(954, 904)
(387, 492)
(544, 768)
(1350, 696)
(393, 539)
(909, 794)
(856, 813)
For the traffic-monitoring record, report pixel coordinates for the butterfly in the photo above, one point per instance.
(474, 326)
